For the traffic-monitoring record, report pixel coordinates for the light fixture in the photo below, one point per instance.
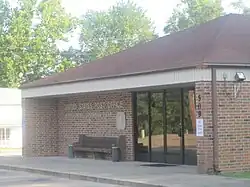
(239, 77)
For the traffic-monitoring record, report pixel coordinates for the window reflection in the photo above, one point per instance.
(166, 128)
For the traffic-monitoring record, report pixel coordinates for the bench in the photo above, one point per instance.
(98, 146)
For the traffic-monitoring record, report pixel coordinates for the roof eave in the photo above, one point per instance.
(202, 65)
(227, 65)
(27, 86)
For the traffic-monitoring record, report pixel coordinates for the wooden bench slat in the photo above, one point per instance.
(92, 150)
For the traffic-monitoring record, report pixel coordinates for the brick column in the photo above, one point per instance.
(204, 111)
(40, 129)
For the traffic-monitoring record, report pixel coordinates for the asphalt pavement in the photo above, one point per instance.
(23, 179)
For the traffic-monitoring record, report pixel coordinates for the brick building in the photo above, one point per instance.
(202, 60)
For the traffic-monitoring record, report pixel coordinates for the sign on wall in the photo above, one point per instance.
(199, 127)
(120, 121)
(198, 109)
(199, 120)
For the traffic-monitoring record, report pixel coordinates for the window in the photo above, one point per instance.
(4, 134)
(7, 133)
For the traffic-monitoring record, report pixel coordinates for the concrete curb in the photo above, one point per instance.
(76, 176)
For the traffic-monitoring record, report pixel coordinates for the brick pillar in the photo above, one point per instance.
(40, 129)
(204, 111)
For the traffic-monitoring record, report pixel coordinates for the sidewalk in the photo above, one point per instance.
(122, 173)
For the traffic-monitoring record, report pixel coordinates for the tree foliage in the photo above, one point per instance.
(189, 13)
(77, 56)
(29, 35)
(28, 46)
(122, 26)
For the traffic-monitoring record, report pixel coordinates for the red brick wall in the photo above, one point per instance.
(234, 127)
(233, 145)
(204, 144)
(40, 134)
(53, 124)
(94, 115)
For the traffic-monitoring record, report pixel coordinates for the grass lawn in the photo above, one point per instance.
(10, 149)
(245, 175)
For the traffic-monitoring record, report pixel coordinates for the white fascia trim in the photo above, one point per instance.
(228, 74)
(121, 83)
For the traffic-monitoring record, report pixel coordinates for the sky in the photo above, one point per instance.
(158, 10)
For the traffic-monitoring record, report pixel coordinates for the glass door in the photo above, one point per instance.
(190, 128)
(142, 128)
(158, 140)
(174, 150)
(165, 127)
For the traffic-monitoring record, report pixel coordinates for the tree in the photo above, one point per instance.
(5, 12)
(241, 7)
(122, 26)
(193, 12)
(76, 56)
(29, 50)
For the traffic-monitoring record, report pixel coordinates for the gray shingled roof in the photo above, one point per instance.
(225, 40)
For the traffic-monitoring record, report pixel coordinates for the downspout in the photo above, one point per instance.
(214, 121)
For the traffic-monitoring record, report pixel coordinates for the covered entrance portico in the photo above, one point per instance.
(60, 115)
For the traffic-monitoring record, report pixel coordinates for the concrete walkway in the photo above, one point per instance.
(122, 173)
(24, 179)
